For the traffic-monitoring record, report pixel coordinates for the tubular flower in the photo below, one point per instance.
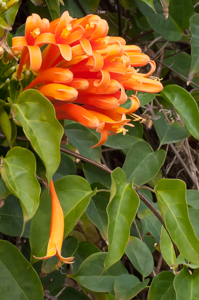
(84, 72)
(56, 230)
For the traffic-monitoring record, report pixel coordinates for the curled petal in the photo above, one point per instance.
(62, 24)
(86, 45)
(153, 67)
(45, 38)
(55, 91)
(142, 84)
(112, 51)
(65, 51)
(33, 22)
(18, 43)
(77, 113)
(132, 48)
(75, 35)
(95, 63)
(104, 81)
(30, 52)
(115, 39)
(55, 75)
(103, 138)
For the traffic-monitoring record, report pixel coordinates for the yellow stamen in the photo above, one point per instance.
(90, 25)
(66, 31)
(35, 32)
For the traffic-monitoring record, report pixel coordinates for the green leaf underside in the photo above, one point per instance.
(74, 194)
(172, 202)
(162, 287)
(121, 212)
(167, 248)
(194, 21)
(37, 117)
(140, 256)
(17, 279)
(19, 169)
(128, 286)
(89, 272)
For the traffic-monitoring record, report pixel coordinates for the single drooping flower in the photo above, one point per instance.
(56, 230)
(84, 72)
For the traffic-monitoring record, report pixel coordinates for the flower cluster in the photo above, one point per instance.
(84, 72)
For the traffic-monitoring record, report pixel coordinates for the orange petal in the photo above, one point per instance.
(32, 53)
(77, 113)
(95, 62)
(18, 43)
(55, 91)
(45, 25)
(32, 22)
(55, 75)
(75, 35)
(103, 138)
(112, 88)
(65, 51)
(131, 48)
(143, 84)
(79, 84)
(113, 39)
(101, 101)
(104, 81)
(45, 38)
(138, 59)
(63, 21)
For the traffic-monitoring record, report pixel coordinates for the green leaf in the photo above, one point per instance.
(185, 105)
(152, 223)
(121, 211)
(84, 250)
(141, 164)
(149, 3)
(171, 195)
(96, 211)
(18, 279)
(4, 25)
(90, 270)
(18, 172)
(140, 256)
(83, 138)
(187, 285)
(11, 14)
(4, 191)
(53, 7)
(66, 167)
(172, 28)
(194, 218)
(37, 117)
(169, 133)
(194, 21)
(74, 194)
(72, 294)
(145, 98)
(167, 248)
(5, 124)
(162, 287)
(94, 174)
(128, 286)
(12, 218)
(193, 198)
(90, 6)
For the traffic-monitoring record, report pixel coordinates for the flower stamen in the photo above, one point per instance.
(35, 33)
(66, 31)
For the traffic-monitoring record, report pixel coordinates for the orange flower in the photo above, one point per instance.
(84, 72)
(56, 231)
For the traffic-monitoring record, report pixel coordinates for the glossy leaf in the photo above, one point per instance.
(53, 7)
(128, 286)
(11, 13)
(66, 167)
(141, 164)
(84, 250)
(83, 138)
(4, 191)
(140, 256)
(172, 202)
(5, 124)
(185, 105)
(162, 287)
(90, 6)
(121, 211)
(74, 194)
(194, 21)
(4, 25)
(194, 218)
(149, 3)
(169, 133)
(187, 285)
(172, 28)
(72, 294)
(96, 211)
(94, 174)
(145, 98)
(167, 248)
(37, 117)
(193, 198)
(18, 172)
(152, 223)
(11, 217)
(18, 279)
(90, 270)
